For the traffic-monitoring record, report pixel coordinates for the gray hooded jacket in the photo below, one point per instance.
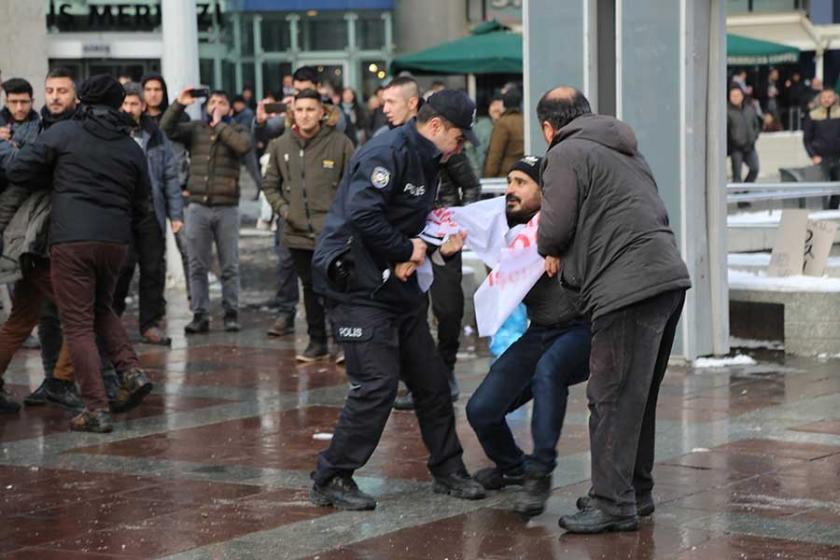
(602, 215)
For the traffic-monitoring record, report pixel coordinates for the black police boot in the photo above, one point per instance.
(315, 351)
(7, 405)
(283, 326)
(200, 324)
(459, 485)
(644, 504)
(63, 393)
(531, 499)
(593, 520)
(231, 322)
(341, 492)
(493, 478)
(37, 397)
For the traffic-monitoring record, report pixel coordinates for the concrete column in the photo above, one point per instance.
(669, 82)
(23, 43)
(180, 70)
(180, 47)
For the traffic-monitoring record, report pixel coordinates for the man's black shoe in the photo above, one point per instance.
(531, 499)
(135, 386)
(231, 322)
(37, 397)
(315, 351)
(593, 520)
(63, 393)
(341, 492)
(644, 505)
(459, 485)
(492, 478)
(7, 405)
(199, 324)
(283, 326)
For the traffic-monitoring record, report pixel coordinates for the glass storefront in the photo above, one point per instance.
(236, 47)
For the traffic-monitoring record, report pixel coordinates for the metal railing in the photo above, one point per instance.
(493, 186)
(756, 192)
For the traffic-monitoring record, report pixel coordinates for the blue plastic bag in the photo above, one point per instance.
(510, 331)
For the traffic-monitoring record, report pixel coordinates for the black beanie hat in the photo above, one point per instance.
(102, 89)
(530, 166)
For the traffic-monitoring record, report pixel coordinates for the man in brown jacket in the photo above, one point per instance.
(507, 143)
(305, 167)
(216, 145)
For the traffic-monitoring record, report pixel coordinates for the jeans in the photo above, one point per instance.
(739, 158)
(542, 365)
(207, 225)
(287, 284)
(630, 351)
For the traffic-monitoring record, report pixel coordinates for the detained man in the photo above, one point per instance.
(551, 356)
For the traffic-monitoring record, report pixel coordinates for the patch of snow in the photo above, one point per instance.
(739, 360)
(736, 342)
(740, 280)
(763, 259)
(322, 436)
(828, 356)
(773, 217)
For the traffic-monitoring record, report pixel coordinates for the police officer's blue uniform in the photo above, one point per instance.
(382, 203)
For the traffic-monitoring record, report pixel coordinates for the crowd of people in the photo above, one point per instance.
(91, 181)
(812, 108)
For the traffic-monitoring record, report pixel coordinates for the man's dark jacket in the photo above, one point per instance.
(602, 215)
(742, 128)
(458, 183)
(98, 176)
(382, 202)
(214, 156)
(821, 132)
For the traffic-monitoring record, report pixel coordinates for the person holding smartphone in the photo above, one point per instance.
(216, 145)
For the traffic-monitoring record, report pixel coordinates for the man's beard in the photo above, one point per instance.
(516, 217)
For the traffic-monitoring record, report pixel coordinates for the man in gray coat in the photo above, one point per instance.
(602, 217)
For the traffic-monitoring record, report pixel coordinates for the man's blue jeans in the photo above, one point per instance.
(542, 365)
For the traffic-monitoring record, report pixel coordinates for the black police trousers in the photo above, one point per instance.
(448, 307)
(382, 346)
(629, 355)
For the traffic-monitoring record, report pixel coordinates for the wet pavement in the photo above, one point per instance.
(216, 465)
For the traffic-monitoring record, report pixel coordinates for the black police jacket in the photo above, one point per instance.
(382, 202)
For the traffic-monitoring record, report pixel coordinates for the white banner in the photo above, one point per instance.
(485, 223)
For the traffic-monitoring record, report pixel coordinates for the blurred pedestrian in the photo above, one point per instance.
(743, 126)
(821, 136)
(507, 143)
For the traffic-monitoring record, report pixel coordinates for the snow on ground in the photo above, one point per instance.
(736, 342)
(739, 280)
(763, 259)
(772, 217)
(739, 360)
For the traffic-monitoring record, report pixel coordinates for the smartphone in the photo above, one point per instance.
(275, 107)
(199, 92)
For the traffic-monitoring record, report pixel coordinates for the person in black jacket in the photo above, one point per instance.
(742, 128)
(100, 184)
(821, 136)
(364, 264)
(603, 221)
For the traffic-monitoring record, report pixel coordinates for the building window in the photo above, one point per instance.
(370, 32)
(276, 34)
(273, 73)
(206, 73)
(374, 73)
(323, 33)
(246, 34)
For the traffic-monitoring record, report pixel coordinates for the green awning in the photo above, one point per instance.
(746, 51)
(490, 49)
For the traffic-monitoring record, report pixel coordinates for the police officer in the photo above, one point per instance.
(364, 264)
